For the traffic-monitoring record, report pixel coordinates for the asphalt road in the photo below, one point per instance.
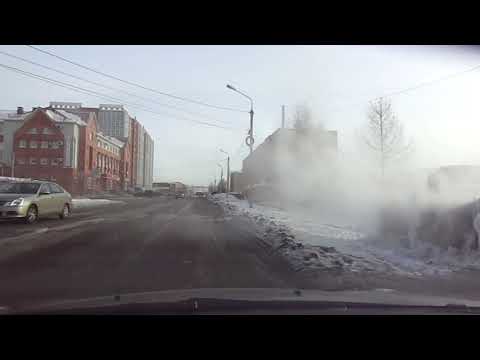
(142, 245)
(162, 243)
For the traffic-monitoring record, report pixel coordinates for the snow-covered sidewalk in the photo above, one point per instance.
(83, 203)
(310, 243)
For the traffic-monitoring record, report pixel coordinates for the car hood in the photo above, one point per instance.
(377, 297)
(10, 197)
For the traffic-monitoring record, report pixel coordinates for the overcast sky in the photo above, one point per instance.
(335, 81)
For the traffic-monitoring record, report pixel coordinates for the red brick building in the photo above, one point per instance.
(66, 147)
(65, 142)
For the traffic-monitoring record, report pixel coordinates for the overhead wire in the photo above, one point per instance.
(103, 96)
(101, 85)
(428, 83)
(182, 98)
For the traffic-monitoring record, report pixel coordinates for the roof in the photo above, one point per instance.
(83, 113)
(12, 115)
(89, 109)
(113, 140)
(64, 117)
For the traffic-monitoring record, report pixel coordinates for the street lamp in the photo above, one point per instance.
(249, 139)
(228, 170)
(221, 175)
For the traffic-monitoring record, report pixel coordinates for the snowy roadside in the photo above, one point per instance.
(85, 203)
(311, 244)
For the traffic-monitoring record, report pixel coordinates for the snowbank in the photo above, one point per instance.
(310, 243)
(88, 203)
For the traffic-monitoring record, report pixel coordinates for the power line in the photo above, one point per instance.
(99, 84)
(137, 85)
(100, 95)
(427, 83)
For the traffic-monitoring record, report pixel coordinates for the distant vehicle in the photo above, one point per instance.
(145, 193)
(30, 200)
(180, 196)
(200, 194)
(161, 188)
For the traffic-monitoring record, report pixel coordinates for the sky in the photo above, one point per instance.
(335, 82)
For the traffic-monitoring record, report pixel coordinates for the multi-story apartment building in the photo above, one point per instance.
(114, 121)
(142, 152)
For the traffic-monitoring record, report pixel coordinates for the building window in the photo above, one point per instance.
(44, 144)
(21, 161)
(22, 144)
(54, 162)
(32, 131)
(47, 131)
(33, 144)
(60, 161)
(43, 161)
(54, 145)
(1, 138)
(99, 144)
(33, 161)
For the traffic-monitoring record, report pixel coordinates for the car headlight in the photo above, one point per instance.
(16, 202)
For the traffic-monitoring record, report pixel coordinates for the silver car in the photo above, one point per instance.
(29, 200)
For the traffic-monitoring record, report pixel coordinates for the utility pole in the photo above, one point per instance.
(249, 139)
(283, 116)
(228, 175)
(220, 184)
(228, 170)
(221, 180)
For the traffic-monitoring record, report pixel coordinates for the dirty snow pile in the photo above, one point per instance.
(310, 244)
(88, 203)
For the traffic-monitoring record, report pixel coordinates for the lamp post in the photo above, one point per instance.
(221, 175)
(228, 170)
(249, 140)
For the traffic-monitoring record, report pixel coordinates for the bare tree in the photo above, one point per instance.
(385, 133)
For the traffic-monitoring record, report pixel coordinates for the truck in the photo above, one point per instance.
(199, 191)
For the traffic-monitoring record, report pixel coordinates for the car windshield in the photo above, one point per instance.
(19, 188)
(214, 169)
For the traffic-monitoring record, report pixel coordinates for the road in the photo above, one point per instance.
(162, 243)
(142, 245)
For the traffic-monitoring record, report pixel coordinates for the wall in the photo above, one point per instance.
(9, 128)
(39, 120)
(293, 167)
(140, 156)
(114, 123)
(148, 161)
(237, 182)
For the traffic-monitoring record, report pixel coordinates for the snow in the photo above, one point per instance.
(87, 203)
(310, 243)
